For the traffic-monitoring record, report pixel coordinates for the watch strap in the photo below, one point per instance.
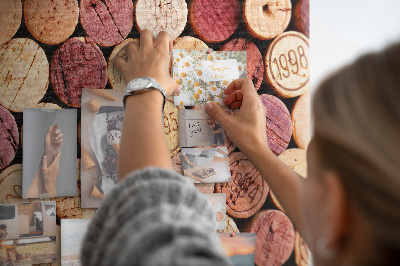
(154, 85)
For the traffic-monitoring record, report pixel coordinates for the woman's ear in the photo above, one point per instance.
(336, 211)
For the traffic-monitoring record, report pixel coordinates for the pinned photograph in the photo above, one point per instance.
(102, 114)
(203, 76)
(198, 129)
(239, 247)
(218, 201)
(206, 165)
(28, 233)
(49, 157)
(72, 234)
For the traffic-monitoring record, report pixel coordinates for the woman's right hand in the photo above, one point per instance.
(247, 129)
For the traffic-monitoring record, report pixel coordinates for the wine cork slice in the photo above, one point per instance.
(247, 192)
(177, 163)
(9, 137)
(10, 19)
(78, 64)
(296, 159)
(287, 64)
(171, 122)
(301, 121)
(230, 226)
(51, 21)
(215, 20)
(162, 16)
(107, 22)
(301, 252)
(11, 185)
(279, 123)
(301, 17)
(275, 237)
(24, 74)
(266, 19)
(190, 43)
(255, 63)
(118, 82)
(48, 106)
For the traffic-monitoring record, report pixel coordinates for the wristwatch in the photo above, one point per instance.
(142, 85)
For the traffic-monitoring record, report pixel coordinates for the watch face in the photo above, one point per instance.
(140, 83)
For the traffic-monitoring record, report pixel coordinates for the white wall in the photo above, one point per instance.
(341, 30)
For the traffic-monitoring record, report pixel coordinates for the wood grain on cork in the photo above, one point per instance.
(287, 64)
(266, 19)
(9, 137)
(51, 21)
(11, 185)
(117, 81)
(10, 19)
(296, 159)
(301, 120)
(275, 237)
(78, 64)
(247, 192)
(301, 17)
(301, 251)
(158, 15)
(107, 22)
(189, 42)
(24, 74)
(215, 20)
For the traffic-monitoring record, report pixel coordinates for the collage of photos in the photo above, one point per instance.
(28, 233)
(206, 164)
(102, 114)
(50, 150)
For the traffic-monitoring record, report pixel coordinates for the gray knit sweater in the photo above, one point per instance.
(153, 217)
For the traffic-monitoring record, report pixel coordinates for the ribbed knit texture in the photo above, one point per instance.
(153, 217)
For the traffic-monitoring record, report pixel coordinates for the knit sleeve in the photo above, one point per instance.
(153, 217)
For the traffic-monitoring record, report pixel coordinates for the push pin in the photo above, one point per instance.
(209, 51)
(232, 234)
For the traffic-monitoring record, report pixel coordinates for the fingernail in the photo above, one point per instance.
(179, 90)
(209, 106)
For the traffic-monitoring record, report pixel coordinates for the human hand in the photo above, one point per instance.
(192, 164)
(149, 59)
(50, 173)
(247, 128)
(53, 142)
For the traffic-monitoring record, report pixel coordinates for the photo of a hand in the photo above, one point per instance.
(49, 174)
(52, 143)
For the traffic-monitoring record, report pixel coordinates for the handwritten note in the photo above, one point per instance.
(219, 70)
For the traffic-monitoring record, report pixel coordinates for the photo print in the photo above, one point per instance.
(203, 76)
(198, 129)
(240, 248)
(206, 165)
(102, 114)
(218, 201)
(28, 233)
(49, 157)
(72, 234)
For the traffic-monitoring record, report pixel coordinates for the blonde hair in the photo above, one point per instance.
(357, 134)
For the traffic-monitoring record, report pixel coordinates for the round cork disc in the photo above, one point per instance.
(287, 64)
(301, 17)
(51, 21)
(188, 42)
(279, 123)
(230, 226)
(266, 19)
(162, 16)
(301, 252)
(24, 74)
(11, 185)
(296, 159)
(275, 237)
(106, 22)
(171, 122)
(247, 192)
(301, 120)
(78, 64)
(215, 20)
(10, 19)
(117, 82)
(255, 63)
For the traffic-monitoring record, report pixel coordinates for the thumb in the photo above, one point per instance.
(44, 163)
(217, 113)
